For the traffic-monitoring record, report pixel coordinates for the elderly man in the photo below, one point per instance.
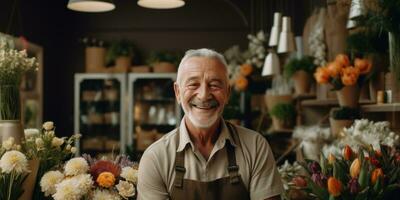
(206, 157)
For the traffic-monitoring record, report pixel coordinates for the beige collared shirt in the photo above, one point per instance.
(253, 156)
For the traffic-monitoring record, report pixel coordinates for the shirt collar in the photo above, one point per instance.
(184, 137)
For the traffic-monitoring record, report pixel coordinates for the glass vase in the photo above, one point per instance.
(10, 106)
(394, 55)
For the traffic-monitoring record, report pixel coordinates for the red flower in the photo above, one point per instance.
(375, 162)
(104, 166)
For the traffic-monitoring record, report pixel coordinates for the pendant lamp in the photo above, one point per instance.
(357, 9)
(161, 4)
(91, 5)
(286, 38)
(271, 65)
(275, 30)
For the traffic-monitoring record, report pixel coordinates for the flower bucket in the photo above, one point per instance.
(11, 128)
(348, 96)
(122, 64)
(95, 59)
(272, 100)
(164, 67)
(301, 82)
(338, 125)
(279, 124)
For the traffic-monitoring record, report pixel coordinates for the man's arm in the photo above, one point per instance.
(150, 181)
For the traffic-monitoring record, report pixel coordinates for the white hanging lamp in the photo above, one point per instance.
(271, 65)
(91, 5)
(161, 4)
(275, 30)
(286, 38)
(357, 9)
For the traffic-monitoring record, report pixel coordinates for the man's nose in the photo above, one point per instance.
(204, 92)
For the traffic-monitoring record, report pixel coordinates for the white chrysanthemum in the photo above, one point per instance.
(68, 189)
(125, 189)
(14, 160)
(85, 182)
(49, 181)
(48, 126)
(129, 174)
(8, 144)
(56, 142)
(31, 132)
(105, 195)
(76, 166)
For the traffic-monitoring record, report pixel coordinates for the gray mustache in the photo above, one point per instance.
(209, 103)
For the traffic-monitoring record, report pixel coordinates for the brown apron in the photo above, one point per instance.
(227, 188)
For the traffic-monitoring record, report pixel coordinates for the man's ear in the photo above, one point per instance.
(176, 89)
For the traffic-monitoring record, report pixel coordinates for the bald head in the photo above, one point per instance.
(206, 53)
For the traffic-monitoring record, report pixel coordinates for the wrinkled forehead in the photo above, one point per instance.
(199, 66)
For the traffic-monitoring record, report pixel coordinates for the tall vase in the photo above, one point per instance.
(10, 113)
(394, 52)
(348, 96)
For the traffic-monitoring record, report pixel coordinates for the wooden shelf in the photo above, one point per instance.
(387, 107)
(304, 96)
(329, 102)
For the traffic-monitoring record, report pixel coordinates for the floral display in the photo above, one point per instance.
(290, 177)
(48, 149)
(364, 133)
(89, 178)
(363, 174)
(341, 72)
(13, 170)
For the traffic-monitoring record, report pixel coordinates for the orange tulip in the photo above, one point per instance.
(331, 159)
(347, 152)
(350, 75)
(355, 168)
(343, 60)
(364, 65)
(334, 186)
(241, 83)
(334, 69)
(377, 173)
(322, 75)
(106, 179)
(246, 69)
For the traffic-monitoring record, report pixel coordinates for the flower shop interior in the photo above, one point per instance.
(319, 79)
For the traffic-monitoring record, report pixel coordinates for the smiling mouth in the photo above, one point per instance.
(205, 105)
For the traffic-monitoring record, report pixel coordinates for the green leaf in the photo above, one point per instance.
(362, 195)
(363, 176)
(320, 192)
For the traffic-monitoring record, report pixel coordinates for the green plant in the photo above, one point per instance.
(283, 111)
(346, 113)
(120, 48)
(295, 64)
(164, 56)
(357, 46)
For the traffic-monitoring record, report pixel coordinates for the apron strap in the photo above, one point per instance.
(233, 168)
(179, 169)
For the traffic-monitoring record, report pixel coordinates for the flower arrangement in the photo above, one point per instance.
(341, 72)
(120, 48)
(88, 178)
(13, 65)
(366, 174)
(290, 178)
(13, 170)
(48, 149)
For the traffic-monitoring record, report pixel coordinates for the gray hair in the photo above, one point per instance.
(207, 53)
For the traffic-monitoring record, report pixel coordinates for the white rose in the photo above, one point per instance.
(68, 147)
(56, 142)
(129, 174)
(73, 149)
(125, 189)
(50, 133)
(48, 126)
(30, 132)
(39, 143)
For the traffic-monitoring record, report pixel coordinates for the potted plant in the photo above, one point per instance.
(164, 62)
(95, 53)
(342, 118)
(346, 77)
(300, 69)
(121, 53)
(283, 116)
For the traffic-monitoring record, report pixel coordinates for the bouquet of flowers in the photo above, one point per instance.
(88, 178)
(13, 170)
(48, 149)
(366, 174)
(341, 72)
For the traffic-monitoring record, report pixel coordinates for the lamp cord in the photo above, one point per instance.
(11, 17)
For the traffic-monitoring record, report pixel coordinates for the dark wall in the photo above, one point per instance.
(216, 24)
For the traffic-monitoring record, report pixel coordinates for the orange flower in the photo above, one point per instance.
(343, 60)
(334, 186)
(377, 173)
(350, 75)
(334, 69)
(378, 153)
(355, 168)
(331, 159)
(322, 75)
(364, 65)
(347, 152)
(106, 179)
(241, 83)
(246, 69)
